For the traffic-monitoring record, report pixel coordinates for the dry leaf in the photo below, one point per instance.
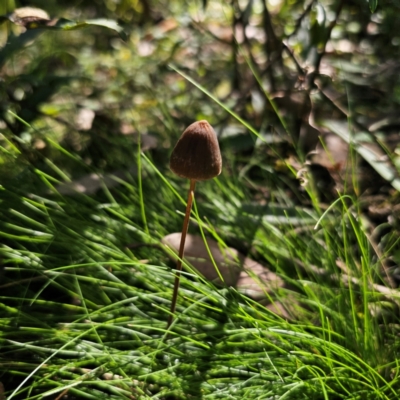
(25, 15)
(332, 153)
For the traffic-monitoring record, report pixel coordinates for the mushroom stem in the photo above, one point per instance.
(181, 250)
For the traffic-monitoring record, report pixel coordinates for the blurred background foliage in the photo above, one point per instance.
(93, 92)
(317, 80)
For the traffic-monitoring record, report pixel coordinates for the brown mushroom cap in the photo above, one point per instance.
(196, 154)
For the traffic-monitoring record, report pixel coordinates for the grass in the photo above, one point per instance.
(84, 309)
(86, 286)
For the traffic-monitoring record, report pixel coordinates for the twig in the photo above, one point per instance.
(289, 51)
(300, 19)
(321, 54)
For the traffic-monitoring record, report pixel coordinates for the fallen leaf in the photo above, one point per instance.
(329, 164)
(369, 150)
(25, 15)
(332, 152)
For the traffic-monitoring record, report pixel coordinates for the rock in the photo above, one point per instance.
(247, 275)
(228, 260)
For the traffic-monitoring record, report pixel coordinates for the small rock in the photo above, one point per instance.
(247, 275)
(228, 260)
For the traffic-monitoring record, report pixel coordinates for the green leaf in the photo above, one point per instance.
(16, 43)
(66, 25)
(372, 5)
(35, 18)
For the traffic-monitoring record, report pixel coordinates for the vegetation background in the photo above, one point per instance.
(304, 97)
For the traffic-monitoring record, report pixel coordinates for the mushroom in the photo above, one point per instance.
(197, 157)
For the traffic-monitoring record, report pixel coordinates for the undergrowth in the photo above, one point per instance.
(86, 290)
(86, 282)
